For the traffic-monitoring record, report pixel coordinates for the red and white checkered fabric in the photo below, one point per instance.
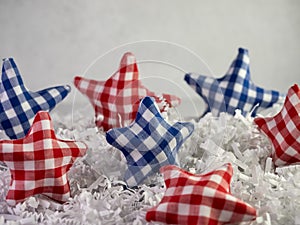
(39, 162)
(283, 130)
(118, 98)
(199, 199)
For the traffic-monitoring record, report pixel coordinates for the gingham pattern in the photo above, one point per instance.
(283, 130)
(18, 105)
(233, 91)
(117, 99)
(39, 162)
(199, 199)
(149, 142)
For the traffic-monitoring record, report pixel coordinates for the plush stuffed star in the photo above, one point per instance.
(149, 142)
(233, 91)
(199, 199)
(18, 105)
(39, 162)
(283, 130)
(118, 98)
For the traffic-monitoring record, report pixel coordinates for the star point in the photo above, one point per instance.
(283, 130)
(39, 162)
(19, 105)
(117, 98)
(149, 142)
(199, 199)
(233, 91)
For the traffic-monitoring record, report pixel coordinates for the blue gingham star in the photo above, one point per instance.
(18, 106)
(149, 143)
(233, 91)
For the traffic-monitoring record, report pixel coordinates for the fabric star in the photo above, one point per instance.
(199, 199)
(19, 105)
(39, 162)
(233, 91)
(283, 130)
(149, 142)
(117, 98)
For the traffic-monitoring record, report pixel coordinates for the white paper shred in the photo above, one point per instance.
(100, 196)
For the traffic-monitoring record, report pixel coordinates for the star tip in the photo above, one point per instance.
(151, 104)
(108, 136)
(191, 128)
(189, 78)
(148, 99)
(256, 119)
(77, 78)
(83, 147)
(39, 116)
(188, 126)
(187, 75)
(68, 88)
(192, 76)
(296, 87)
(128, 54)
(243, 50)
(128, 59)
(7, 59)
(149, 216)
(228, 165)
(42, 114)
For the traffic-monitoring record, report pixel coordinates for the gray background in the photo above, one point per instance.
(52, 41)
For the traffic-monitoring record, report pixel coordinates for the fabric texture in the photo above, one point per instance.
(116, 100)
(18, 106)
(39, 162)
(283, 130)
(199, 199)
(233, 91)
(149, 143)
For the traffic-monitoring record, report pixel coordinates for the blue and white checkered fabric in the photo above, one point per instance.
(149, 142)
(18, 105)
(233, 91)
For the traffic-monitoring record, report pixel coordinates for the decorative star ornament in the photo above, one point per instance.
(18, 105)
(116, 100)
(39, 162)
(199, 199)
(233, 91)
(149, 143)
(283, 130)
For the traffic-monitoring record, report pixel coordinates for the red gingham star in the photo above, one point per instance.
(117, 99)
(199, 199)
(39, 162)
(283, 130)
